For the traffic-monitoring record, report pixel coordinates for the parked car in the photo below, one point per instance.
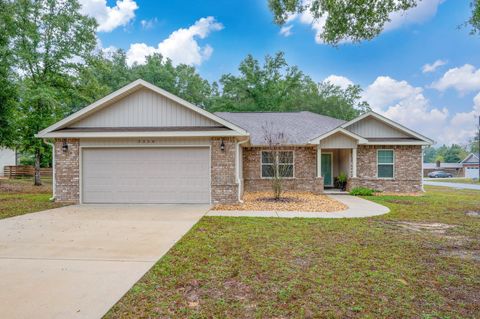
(439, 174)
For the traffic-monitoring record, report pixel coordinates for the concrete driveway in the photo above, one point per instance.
(77, 261)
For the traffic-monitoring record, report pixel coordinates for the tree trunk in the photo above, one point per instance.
(38, 158)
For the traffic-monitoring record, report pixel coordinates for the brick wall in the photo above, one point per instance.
(224, 184)
(67, 179)
(407, 169)
(304, 172)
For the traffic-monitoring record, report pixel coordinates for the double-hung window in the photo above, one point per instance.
(385, 163)
(277, 163)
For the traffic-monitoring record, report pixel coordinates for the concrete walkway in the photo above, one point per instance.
(357, 207)
(452, 185)
(78, 261)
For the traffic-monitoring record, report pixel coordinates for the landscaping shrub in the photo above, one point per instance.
(362, 191)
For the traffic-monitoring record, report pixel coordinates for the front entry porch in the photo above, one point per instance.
(335, 162)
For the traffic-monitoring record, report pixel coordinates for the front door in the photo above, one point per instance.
(327, 169)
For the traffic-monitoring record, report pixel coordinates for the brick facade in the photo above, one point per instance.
(304, 171)
(67, 180)
(407, 169)
(223, 175)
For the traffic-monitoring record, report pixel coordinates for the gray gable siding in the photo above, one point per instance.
(144, 108)
(372, 128)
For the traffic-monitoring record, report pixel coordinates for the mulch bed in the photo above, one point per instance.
(290, 201)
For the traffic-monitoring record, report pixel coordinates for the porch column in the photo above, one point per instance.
(319, 161)
(354, 162)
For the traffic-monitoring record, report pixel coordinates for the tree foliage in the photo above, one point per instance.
(276, 86)
(474, 20)
(52, 39)
(353, 20)
(8, 94)
(350, 20)
(110, 72)
(447, 154)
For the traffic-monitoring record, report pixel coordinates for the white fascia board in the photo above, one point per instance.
(61, 134)
(341, 130)
(398, 143)
(391, 123)
(127, 89)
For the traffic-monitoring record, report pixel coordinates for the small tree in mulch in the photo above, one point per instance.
(277, 163)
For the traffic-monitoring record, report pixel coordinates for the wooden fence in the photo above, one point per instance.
(14, 171)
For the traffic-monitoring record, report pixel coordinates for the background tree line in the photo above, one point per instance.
(50, 67)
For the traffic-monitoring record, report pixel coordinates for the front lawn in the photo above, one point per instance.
(422, 260)
(19, 196)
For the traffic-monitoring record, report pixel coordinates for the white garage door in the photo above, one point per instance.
(471, 172)
(146, 175)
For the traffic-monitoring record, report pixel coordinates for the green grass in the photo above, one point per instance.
(320, 268)
(19, 196)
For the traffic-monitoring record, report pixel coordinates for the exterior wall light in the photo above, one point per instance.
(222, 146)
(65, 146)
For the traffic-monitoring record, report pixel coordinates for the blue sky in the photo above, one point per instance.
(215, 36)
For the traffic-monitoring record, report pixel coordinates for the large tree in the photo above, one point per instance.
(276, 86)
(109, 72)
(352, 20)
(7, 87)
(52, 40)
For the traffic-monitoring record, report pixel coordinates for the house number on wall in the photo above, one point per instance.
(146, 141)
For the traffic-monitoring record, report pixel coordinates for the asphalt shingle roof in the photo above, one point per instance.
(298, 127)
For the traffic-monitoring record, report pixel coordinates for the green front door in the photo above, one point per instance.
(327, 169)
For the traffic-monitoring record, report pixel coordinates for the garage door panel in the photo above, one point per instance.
(146, 175)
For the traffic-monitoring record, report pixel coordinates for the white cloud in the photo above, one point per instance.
(406, 104)
(286, 30)
(425, 10)
(463, 79)
(109, 18)
(427, 68)
(181, 46)
(385, 91)
(148, 24)
(338, 80)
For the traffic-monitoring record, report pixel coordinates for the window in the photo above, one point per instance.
(385, 163)
(277, 164)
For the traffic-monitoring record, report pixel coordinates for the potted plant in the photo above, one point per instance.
(342, 181)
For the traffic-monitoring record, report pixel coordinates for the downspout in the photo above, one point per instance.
(423, 149)
(53, 169)
(237, 166)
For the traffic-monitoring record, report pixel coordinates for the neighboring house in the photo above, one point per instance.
(142, 144)
(466, 168)
(456, 169)
(7, 157)
(470, 166)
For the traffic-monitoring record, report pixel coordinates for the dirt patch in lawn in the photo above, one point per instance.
(290, 201)
(23, 186)
(473, 213)
(436, 228)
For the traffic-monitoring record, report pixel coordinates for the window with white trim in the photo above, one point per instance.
(385, 162)
(277, 163)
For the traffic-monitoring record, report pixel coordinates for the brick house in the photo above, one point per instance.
(142, 144)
